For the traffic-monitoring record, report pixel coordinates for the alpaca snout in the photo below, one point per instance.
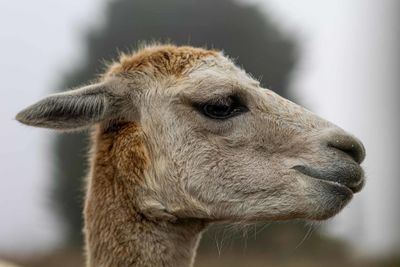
(340, 157)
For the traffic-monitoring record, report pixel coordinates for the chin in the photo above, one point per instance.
(331, 199)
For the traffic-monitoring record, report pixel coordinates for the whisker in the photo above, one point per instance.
(306, 236)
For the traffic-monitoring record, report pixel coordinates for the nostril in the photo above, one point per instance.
(349, 145)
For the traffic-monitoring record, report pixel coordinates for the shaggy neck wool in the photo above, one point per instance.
(117, 232)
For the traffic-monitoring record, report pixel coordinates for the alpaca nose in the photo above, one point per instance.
(349, 145)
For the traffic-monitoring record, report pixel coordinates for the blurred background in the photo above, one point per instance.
(340, 59)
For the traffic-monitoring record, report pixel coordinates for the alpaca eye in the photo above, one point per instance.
(217, 111)
(223, 109)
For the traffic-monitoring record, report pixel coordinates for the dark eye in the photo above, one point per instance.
(223, 108)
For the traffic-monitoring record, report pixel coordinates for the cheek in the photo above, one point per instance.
(225, 177)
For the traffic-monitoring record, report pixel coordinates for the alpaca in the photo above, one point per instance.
(183, 138)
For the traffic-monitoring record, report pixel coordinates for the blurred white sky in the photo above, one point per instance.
(348, 74)
(39, 41)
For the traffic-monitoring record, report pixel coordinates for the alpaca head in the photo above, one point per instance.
(216, 145)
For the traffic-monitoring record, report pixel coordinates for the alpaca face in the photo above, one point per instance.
(220, 147)
(242, 152)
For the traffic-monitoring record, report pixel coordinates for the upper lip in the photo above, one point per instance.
(350, 175)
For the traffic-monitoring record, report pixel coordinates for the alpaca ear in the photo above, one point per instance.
(70, 110)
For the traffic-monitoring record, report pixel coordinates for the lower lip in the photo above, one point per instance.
(340, 191)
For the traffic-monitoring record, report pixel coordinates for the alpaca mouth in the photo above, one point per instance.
(350, 175)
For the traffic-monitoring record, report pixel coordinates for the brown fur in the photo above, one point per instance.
(164, 60)
(109, 207)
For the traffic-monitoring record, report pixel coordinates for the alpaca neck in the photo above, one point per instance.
(120, 239)
(118, 233)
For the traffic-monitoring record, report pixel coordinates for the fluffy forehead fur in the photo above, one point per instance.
(161, 60)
